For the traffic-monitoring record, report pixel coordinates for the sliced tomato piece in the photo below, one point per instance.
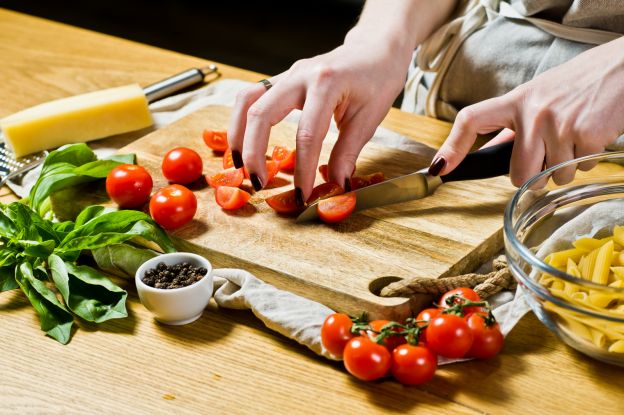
(216, 140)
(231, 198)
(357, 182)
(284, 203)
(285, 157)
(325, 190)
(337, 208)
(227, 159)
(323, 171)
(272, 170)
(228, 177)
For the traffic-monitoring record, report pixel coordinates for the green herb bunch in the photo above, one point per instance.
(41, 256)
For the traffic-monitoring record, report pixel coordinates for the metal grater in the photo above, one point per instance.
(12, 168)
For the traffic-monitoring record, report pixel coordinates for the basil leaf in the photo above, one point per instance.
(7, 279)
(122, 260)
(8, 256)
(54, 318)
(7, 226)
(123, 158)
(69, 166)
(90, 213)
(36, 248)
(86, 292)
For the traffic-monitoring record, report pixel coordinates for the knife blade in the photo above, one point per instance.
(481, 164)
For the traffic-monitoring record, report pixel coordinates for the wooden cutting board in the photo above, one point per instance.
(342, 265)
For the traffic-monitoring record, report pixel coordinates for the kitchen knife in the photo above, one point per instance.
(178, 82)
(481, 164)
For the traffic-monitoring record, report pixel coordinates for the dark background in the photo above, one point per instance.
(265, 36)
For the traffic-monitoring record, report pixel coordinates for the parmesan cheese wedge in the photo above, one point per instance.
(77, 119)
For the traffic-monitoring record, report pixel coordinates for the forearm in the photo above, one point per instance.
(401, 24)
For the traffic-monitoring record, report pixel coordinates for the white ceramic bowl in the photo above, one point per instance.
(176, 306)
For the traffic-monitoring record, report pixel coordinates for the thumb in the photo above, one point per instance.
(482, 118)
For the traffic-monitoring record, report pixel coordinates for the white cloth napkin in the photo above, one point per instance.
(288, 314)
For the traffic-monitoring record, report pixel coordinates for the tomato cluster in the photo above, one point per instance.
(460, 326)
(172, 206)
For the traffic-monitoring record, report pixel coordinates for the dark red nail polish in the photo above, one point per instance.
(347, 185)
(255, 181)
(237, 159)
(436, 166)
(299, 197)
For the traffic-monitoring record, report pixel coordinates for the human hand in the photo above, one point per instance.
(567, 112)
(356, 83)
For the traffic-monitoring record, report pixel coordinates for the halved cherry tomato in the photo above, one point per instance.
(285, 157)
(272, 170)
(390, 342)
(365, 359)
(325, 190)
(449, 335)
(216, 140)
(227, 159)
(467, 293)
(173, 206)
(336, 333)
(357, 182)
(413, 365)
(284, 203)
(323, 170)
(229, 177)
(129, 185)
(182, 165)
(336, 208)
(231, 198)
(487, 339)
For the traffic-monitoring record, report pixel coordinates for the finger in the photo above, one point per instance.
(557, 151)
(586, 148)
(356, 131)
(267, 111)
(505, 135)
(484, 117)
(313, 126)
(527, 157)
(238, 120)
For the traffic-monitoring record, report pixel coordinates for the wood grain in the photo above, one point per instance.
(454, 230)
(227, 362)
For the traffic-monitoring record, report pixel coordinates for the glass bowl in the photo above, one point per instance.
(573, 299)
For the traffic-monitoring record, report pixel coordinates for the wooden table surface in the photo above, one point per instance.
(228, 362)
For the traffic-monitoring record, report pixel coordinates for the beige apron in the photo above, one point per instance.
(436, 57)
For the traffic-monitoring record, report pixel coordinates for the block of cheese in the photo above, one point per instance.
(77, 119)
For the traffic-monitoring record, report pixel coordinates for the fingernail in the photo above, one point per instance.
(347, 186)
(299, 197)
(237, 159)
(255, 181)
(436, 166)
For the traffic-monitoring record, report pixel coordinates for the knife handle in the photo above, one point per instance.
(482, 164)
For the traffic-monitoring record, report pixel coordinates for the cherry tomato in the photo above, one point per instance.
(467, 293)
(449, 335)
(231, 198)
(227, 159)
(324, 190)
(427, 314)
(284, 203)
(229, 177)
(336, 208)
(182, 165)
(357, 182)
(284, 157)
(129, 185)
(336, 333)
(216, 140)
(323, 170)
(413, 365)
(365, 359)
(487, 340)
(390, 342)
(173, 206)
